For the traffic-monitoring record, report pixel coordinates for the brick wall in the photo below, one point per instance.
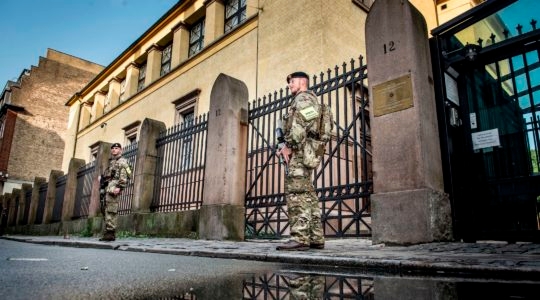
(39, 133)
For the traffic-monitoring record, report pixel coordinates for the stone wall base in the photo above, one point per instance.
(174, 224)
(222, 222)
(411, 217)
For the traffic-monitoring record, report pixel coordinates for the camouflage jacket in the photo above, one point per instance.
(119, 172)
(302, 116)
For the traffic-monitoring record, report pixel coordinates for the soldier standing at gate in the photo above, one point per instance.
(116, 175)
(300, 151)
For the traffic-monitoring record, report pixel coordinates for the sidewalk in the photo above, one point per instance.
(487, 259)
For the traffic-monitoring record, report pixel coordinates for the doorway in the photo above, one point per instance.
(489, 119)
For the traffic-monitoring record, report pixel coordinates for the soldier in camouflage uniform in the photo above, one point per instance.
(117, 175)
(302, 202)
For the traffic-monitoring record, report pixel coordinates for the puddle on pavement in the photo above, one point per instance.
(307, 285)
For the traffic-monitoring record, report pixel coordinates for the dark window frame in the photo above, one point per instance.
(235, 13)
(166, 57)
(196, 37)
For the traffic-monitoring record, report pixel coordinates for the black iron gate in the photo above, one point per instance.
(488, 66)
(343, 181)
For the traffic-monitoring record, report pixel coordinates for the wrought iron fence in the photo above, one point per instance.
(4, 213)
(85, 177)
(181, 166)
(126, 198)
(27, 200)
(59, 199)
(41, 202)
(343, 181)
(308, 286)
(14, 220)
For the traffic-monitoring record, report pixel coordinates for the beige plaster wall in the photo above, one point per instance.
(309, 35)
(156, 103)
(437, 12)
(284, 36)
(454, 8)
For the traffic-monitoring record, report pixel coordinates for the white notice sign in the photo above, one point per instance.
(473, 120)
(486, 139)
(451, 89)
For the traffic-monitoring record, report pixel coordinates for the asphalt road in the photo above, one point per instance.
(35, 271)
(30, 271)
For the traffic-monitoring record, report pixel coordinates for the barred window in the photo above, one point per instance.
(187, 141)
(196, 38)
(235, 13)
(166, 60)
(94, 149)
(185, 108)
(130, 134)
(142, 77)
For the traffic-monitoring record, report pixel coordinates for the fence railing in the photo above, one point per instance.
(16, 212)
(4, 213)
(27, 201)
(59, 199)
(85, 176)
(41, 203)
(126, 197)
(181, 166)
(343, 180)
(291, 285)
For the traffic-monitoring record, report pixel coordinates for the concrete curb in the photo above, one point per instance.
(389, 260)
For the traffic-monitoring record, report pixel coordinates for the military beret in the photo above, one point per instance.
(117, 145)
(297, 75)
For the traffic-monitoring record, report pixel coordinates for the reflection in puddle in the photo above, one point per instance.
(309, 286)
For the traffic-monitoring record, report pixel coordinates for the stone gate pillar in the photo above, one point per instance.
(50, 198)
(222, 212)
(102, 162)
(145, 169)
(409, 205)
(70, 192)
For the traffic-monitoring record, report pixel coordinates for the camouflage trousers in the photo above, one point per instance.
(111, 211)
(303, 206)
(310, 287)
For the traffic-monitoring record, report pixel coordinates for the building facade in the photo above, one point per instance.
(33, 117)
(167, 74)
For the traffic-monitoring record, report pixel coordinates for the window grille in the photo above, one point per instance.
(187, 148)
(196, 38)
(166, 60)
(235, 13)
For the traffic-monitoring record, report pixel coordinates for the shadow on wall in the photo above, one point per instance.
(35, 150)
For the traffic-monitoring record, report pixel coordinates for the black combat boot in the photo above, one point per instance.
(108, 236)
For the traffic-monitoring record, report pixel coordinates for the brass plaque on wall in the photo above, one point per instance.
(392, 96)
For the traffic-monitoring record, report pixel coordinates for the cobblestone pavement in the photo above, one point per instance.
(494, 259)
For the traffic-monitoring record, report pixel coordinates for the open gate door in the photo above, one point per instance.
(488, 86)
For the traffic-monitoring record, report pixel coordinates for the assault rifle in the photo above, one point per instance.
(103, 182)
(281, 143)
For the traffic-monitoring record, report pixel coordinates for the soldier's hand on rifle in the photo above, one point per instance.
(116, 191)
(284, 152)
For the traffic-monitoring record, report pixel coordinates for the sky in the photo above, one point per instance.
(94, 30)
